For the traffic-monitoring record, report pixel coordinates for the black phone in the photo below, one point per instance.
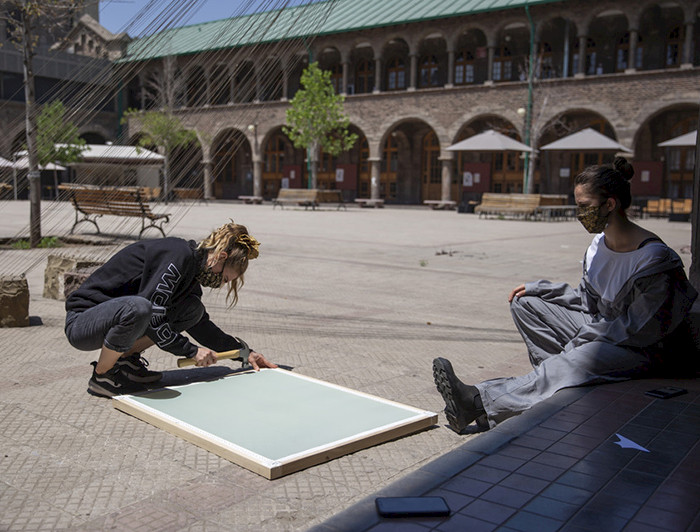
(666, 392)
(412, 507)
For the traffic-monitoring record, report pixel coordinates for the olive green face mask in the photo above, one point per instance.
(591, 219)
(209, 279)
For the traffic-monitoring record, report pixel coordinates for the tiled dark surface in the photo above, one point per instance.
(565, 471)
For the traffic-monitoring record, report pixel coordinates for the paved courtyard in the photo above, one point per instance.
(362, 298)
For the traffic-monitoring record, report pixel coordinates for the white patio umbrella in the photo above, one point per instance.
(586, 140)
(683, 141)
(489, 141)
(4, 163)
(23, 164)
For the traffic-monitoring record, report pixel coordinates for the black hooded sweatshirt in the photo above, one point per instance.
(164, 272)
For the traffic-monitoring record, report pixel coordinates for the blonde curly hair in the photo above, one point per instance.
(240, 248)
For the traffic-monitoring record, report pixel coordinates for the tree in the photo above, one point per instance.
(315, 118)
(162, 129)
(25, 19)
(57, 138)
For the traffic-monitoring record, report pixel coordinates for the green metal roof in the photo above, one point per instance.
(319, 18)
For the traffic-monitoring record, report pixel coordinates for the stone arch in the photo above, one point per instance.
(90, 136)
(283, 165)
(231, 164)
(561, 167)
(431, 55)
(499, 171)
(669, 171)
(471, 55)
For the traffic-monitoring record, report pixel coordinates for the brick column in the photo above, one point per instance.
(582, 49)
(377, 75)
(413, 73)
(257, 176)
(375, 172)
(489, 68)
(632, 55)
(446, 178)
(208, 193)
(346, 69)
(450, 68)
(687, 56)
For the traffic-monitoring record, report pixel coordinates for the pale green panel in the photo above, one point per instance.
(273, 413)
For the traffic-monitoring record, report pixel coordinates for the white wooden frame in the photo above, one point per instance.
(416, 420)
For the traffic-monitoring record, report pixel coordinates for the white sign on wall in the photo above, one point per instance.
(467, 179)
(339, 175)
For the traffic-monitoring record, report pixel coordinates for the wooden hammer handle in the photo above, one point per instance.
(182, 362)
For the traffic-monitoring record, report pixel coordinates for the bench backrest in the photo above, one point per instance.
(330, 196)
(495, 199)
(297, 194)
(553, 199)
(124, 202)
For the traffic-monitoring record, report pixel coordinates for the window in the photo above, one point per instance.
(364, 76)
(674, 46)
(502, 64)
(623, 47)
(464, 68)
(337, 78)
(274, 155)
(431, 163)
(428, 71)
(546, 62)
(396, 74)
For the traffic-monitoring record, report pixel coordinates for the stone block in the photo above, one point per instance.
(73, 279)
(14, 302)
(56, 267)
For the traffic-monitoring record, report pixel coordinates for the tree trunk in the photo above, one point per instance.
(313, 153)
(33, 175)
(166, 175)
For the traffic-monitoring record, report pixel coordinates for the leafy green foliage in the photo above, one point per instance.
(57, 139)
(316, 118)
(161, 129)
(46, 242)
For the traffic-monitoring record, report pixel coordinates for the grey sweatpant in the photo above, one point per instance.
(119, 322)
(547, 328)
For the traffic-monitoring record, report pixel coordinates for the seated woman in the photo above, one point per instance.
(149, 293)
(627, 319)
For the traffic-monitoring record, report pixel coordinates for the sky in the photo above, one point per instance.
(135, 16)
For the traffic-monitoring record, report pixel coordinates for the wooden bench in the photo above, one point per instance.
(370, 203)
(516, 205)
(5, 189)
(307, 197)
(251, 200)
(188, 193)
(331, 196)
(93, 202)
(659, 208)
(440, 204)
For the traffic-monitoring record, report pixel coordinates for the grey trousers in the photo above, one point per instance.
(119, 322)
(547, 328)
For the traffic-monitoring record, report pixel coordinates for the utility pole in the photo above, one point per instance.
(695, 218)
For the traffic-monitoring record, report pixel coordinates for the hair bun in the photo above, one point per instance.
(623, 167)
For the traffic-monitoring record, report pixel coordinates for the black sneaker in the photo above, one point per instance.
(136, 370)
(111, 383)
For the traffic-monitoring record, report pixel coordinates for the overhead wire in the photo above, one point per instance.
(260, 68)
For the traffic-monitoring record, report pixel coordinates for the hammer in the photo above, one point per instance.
(182, 362)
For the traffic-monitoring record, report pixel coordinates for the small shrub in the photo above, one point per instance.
(46, 242)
